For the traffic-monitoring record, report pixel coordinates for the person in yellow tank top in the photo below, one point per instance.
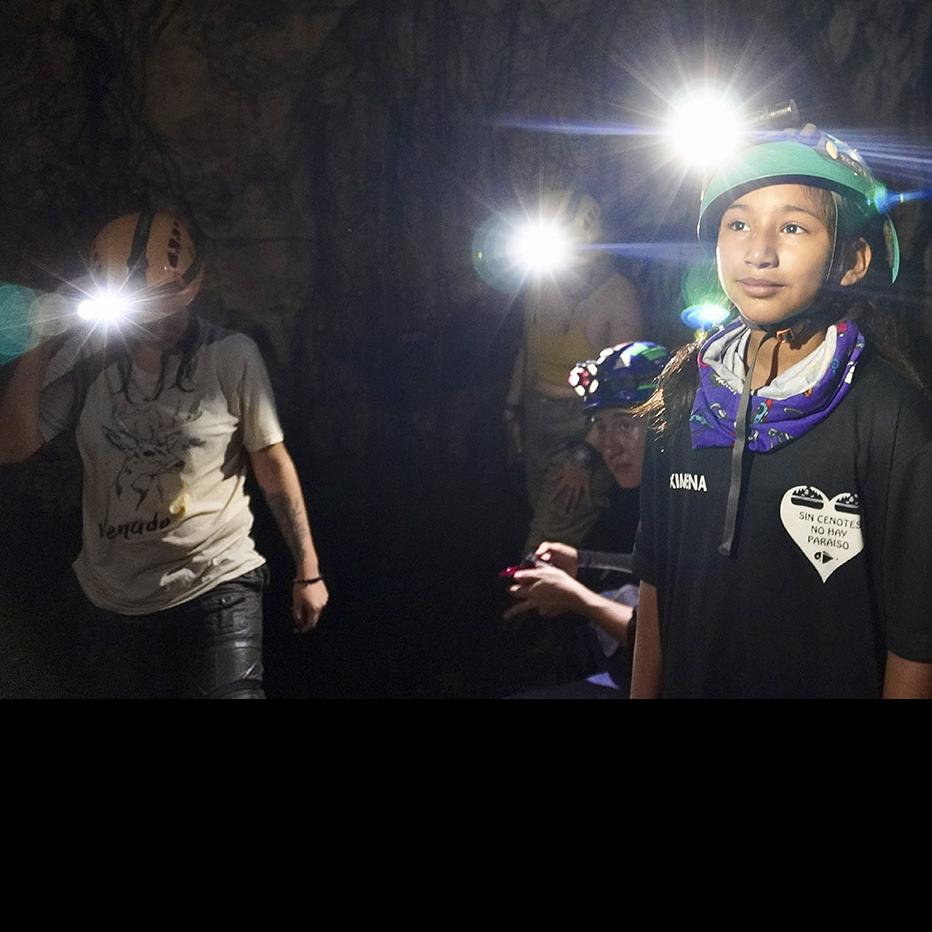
(565, 321)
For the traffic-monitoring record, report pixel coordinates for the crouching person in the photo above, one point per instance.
(595, 584)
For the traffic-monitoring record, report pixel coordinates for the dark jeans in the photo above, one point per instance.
(210, 647)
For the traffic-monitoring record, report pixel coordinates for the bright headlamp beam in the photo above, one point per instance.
(540, 247)
(884, 199)
(106, 307)
(705, 127)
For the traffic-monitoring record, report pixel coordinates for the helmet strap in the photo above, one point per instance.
(727, 546)
(191, 273)
(173, 287)
(140, 263)
(136, 263)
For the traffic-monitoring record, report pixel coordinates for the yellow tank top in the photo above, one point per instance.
(551, 354)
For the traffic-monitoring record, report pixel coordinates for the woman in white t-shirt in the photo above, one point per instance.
(167, 411)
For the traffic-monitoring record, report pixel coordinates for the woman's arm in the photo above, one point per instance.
(906, 679)
(20, 436)
(645, 680)
(612, 617)
(277, 477)
(552, 591)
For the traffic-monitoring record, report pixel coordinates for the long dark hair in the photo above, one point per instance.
(885, 334)
(191, 341)
(119, 353)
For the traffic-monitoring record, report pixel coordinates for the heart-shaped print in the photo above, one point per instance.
(828, 531)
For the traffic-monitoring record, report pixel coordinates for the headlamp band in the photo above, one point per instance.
(182, 283)
(136, 263)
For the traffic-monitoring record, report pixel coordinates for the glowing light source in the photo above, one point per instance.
(580, 378)
(539, 247)
(105, 307)
(705, 127)
(883, 199)
(560, 233)
(704, 316)
(706, 304)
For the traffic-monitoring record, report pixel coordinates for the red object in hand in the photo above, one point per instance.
(528, 563)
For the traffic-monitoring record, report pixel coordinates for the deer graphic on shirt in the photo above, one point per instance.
(153, 442)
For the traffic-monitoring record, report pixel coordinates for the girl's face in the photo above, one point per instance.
(774, 249)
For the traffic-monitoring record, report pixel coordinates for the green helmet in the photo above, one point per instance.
(819, 160)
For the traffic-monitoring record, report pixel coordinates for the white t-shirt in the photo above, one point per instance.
(166, 516)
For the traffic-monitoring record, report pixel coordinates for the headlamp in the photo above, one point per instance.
(707, 125)
(506, 252)
(104, 307)
(120, 303)
(539, 247)
(705, 317)
(583, 378)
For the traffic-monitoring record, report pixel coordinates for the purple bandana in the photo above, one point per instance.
(771, 422)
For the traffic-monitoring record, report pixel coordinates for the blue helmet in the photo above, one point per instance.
(622, 376)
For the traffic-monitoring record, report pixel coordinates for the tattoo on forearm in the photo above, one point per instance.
(292, 521)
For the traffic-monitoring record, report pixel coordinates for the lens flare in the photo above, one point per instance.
(15, 302)
(704, 317)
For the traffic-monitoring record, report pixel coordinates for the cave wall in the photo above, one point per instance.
(336, 157)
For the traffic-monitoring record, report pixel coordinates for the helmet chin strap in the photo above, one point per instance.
(794, 330)
(727, 547)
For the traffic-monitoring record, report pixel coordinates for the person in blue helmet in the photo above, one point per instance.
(595, 584)
(788, 472)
